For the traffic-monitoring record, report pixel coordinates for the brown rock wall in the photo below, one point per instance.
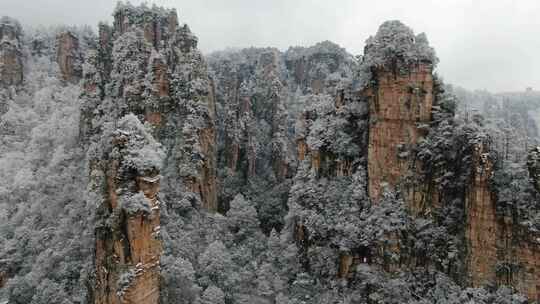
(208, 189)
(398, 104)
(127, 256)
(482, 230)
(498, 249)
(68, 57)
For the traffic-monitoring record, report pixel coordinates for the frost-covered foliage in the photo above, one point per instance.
(243, 216)
(331, 128)
(323, 67)
(395, 48)
(226, 256)
(260, 95)
(42, 40)
(139, 15)
(447, 150)
(252, 134)
(46, 235)
(516, 197)
(137, 153)
(143, 152)
(212, 295)
(422, 286)
(148, 65)
(510, 118)
(337, 213)
(135, 203)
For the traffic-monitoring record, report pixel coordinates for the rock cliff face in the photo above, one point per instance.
(482, 229)
(11, 59)
(3, 279)
(69, 57)
(499, 249)
(400, 113)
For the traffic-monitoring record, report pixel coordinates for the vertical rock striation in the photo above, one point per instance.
(500, 249)
(482, 228)
(400, 111)
(533, 164)
(400, 92)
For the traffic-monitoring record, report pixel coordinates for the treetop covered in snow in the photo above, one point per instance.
(144, 153)
(143, 12)
(396, 45)
(323, 47)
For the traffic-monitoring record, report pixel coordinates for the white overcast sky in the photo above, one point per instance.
(482, 44)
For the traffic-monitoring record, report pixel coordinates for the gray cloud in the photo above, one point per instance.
(482, 44)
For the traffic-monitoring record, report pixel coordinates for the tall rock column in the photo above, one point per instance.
(398, 70)
(148, 65)
(69, 57)
(399, 105)
(500, 249)
(125, 179)
(482, 230)
(148, 104)
(11, 59)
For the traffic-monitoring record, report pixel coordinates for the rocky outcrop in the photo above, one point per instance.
(398, 74)
(11, 58)
(68, 57)
(128, 246)
(147, 78)
(518, 263)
